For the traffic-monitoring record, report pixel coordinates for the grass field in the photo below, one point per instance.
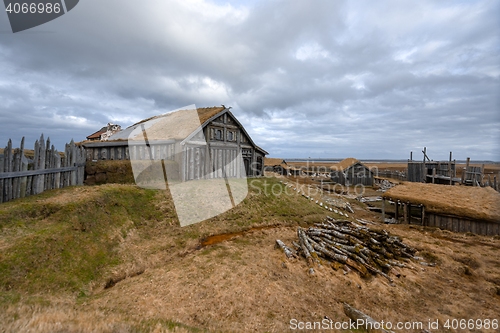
(113, 258)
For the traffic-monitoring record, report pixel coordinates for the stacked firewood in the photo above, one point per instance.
(345, 243)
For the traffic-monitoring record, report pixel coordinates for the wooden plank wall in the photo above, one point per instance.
(221, 163)
(354, 175)
(21, 176)
(416, 172)
(460, 224)
(399, 175)
(134, 152)
(139, 152)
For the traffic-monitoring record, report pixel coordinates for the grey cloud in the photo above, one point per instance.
(365, 79)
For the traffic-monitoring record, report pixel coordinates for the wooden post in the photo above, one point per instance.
(495, 183)
(405, 212)
(455, 169)
(396, 216)
(411, 156)
(1, 180)
(467, 169)
(449, 169)
(481, 177)
(423, 214)
(433, 174)
(383, 209)
(424, 169)
(8, 163)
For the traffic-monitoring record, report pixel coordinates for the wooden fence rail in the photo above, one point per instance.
(45, 169)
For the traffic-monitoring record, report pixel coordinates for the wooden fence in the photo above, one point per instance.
(44, 169)
(394, 174)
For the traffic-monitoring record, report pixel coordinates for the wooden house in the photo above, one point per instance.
(215, 147)
(350, 171)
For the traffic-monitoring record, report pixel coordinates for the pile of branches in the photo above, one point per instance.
(342, 242)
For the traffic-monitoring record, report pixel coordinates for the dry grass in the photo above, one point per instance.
(273, 161)
(481, 203)
(245, 284)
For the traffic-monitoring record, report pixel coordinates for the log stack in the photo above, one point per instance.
(344, 243)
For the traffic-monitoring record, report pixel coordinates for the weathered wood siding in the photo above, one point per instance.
(419, 171)
(462, 224)
(354, 175)
(21, 176)
(123, 150)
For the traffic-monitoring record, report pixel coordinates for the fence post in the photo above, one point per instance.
(405, 213)
(383, 210)
(423, 214)
(1, 180)
(8, 168)
(41, 178)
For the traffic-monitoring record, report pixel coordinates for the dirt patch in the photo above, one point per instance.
(215, 239)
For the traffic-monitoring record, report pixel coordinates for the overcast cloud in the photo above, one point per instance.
(368, 79)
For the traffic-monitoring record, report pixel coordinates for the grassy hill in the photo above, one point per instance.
(113, 258)
(71, 242)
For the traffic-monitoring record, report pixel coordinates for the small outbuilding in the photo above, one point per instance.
(455, 208)
(104, 133)
(277, 165)
(350, 171)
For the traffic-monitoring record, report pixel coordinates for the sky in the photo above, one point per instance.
(319, 79)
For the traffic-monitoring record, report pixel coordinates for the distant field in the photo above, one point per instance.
(489, 169)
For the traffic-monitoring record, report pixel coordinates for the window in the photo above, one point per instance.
(216, 134)
(231, 136)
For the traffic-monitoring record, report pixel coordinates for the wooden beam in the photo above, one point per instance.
(405, 212)
(8, 175)
(423, 215)
(383, 209)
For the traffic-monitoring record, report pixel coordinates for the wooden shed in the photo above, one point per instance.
(455, 208)
(211, 150)
(277, 165)
(350, 171)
